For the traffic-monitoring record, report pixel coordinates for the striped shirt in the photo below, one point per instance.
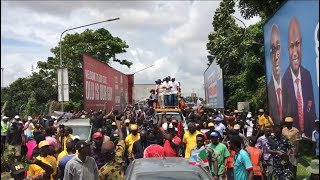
(262, 143)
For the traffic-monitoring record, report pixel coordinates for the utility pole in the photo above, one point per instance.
(2, 76)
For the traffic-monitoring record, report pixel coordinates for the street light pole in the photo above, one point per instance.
(61, 62)
(143, 69)
(2, 77)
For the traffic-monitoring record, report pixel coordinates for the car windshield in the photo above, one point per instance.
(171, 176)
(172, 116)
(82, 131)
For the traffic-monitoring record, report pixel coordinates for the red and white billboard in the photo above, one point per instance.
(103, 84)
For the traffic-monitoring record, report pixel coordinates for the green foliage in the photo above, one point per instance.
(263, 8)
(240, 54)
(32, 95)
(99, 44)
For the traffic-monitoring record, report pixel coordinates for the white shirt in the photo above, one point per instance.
(221, 128)
(276, 86)
(249, 127)
(295, 85)
(167, 85)
(174, 89)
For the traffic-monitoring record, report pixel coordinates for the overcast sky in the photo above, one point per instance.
(172, 36)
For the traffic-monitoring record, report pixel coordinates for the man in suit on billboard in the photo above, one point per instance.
(297, 80)
(277, 96)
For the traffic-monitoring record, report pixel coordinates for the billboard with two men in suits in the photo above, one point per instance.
(291, 41)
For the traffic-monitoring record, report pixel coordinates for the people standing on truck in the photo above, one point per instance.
(152, 99)
(160, 93)
(174, 92)
(167, 85)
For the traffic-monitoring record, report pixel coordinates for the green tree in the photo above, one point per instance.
(99, 44)
(262, 8)
(240, 54)
(31, 93)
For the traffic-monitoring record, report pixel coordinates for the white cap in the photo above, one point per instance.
(76, 137)
(5, 117)
(82, 116)
(317, 120)
(17, 117)
(170, 125)
(249, 115)
(29, 118)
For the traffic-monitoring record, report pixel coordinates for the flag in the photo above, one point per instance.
(199, 158)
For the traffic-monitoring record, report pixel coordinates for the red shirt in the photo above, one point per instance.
(153, 150)
(168, 150)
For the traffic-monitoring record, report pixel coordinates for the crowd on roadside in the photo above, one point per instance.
(235, 145)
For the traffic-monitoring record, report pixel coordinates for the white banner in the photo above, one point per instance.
(63, 85)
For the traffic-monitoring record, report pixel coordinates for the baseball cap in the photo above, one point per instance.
(249, 116)
(113, 123)
(18, 168)
(314, 166)
(133, 127)
(52, 141)
(127, 121)
(17, 117)
(215, 134)
(288, 119)
(5, 117)
(236, 126)
(29, 118)
(211, 125)
(236, 111)
(218, 119)
(317, 120)
(43, 144)
(76, 137)
(97, 135)
(261, 110)
(174, 121)
(81, 144)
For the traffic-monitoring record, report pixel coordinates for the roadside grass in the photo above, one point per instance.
(305, 159)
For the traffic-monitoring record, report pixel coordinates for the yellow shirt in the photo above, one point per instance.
(191, 141)
(35, 171)
(262, 121)
(130, 139)
(50, 160)
(65, 141)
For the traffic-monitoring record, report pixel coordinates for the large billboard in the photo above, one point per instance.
(213, 85)
(291, 41)
(103, 84)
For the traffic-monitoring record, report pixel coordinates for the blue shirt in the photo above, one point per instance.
(242, 163)
(62, 164)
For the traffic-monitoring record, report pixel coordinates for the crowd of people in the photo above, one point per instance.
(230, 145)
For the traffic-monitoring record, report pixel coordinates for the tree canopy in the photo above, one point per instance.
(240, 52)
(34, 92)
